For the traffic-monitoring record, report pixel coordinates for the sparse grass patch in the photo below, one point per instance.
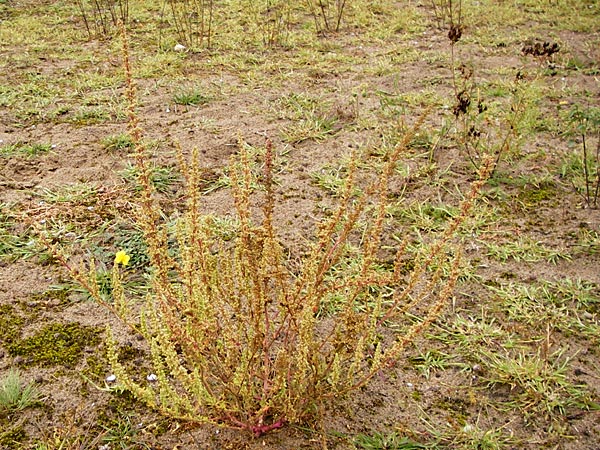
(526, 249)
(78, 193)
(70, 434)
(117, 142)
(568, 306)
(16, 395)
(538, 384)
(380, 441)
(14, 244)
(469, 436)
(162, 177)
(394, 104)
(269, 20)
(76, 212)
(190, 97)
(470, 335)
(327, 16)
(32, 94)
(313, 127)
(26, 150)
(91, 115)
(121, 434)
(310, 119)
(161, 65)
(332, 179)
(588, 241)
(425, 216)
(431, 361)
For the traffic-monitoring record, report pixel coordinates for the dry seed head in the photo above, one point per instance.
(455, 33)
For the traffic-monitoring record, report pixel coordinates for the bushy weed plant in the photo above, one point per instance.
(327, 14)
(584, 171)
(193, 21)
(271, 18)
(100, 17)
(239, 336)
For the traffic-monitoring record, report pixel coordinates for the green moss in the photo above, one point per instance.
(129, 353)
(55, 344)
(533, 195)
(61, 294)
(120, 403)
(456, 406)
(10, 324)
(12, 437)
(96, 365)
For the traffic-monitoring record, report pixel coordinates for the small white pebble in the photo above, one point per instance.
(410, 385)
(111, 378)
(179, 48)
(152, 377)
(53, 146)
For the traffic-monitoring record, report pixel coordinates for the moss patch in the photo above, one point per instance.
(12, 437)
(457, 407)
(10, 324)
(531, 196)
(56, 344)
(60, 295)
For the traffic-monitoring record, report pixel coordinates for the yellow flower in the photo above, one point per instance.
(122, 258)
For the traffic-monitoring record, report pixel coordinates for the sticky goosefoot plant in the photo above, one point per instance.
(236, 336)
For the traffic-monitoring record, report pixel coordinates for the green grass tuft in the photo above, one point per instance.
(15, 395)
